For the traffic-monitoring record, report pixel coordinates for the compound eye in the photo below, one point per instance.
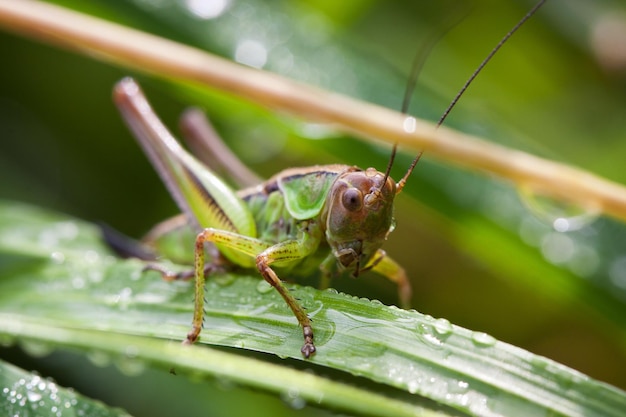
(352, 199)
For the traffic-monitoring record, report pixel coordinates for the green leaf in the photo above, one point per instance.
(60, 287)
(26, 394)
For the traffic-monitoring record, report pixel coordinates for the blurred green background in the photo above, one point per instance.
(474, 250)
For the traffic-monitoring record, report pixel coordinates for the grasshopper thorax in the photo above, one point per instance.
(358, 216)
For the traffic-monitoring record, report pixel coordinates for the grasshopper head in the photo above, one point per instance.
(359, 216)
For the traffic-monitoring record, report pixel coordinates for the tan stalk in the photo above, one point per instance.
(147, 53)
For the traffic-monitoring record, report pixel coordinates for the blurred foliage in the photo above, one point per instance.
(476, 253)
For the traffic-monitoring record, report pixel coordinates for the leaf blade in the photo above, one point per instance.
(27, 393)
(466, 370)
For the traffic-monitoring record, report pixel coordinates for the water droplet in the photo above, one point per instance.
(57, 257)
(123, 298)
(332, 291)
(99, 358)
(561, 215)
(131, 351)
(585, 262)
(224, 280)
(532, 230)
(558, 248)
(409, 125)
(617, 272)
(150, 298)
(501, 205)
(78, 282)
(224, 383)
(36, 348)
(264, 287)
(412, 386)
(136, 275)
(207, 9)
(252, 53)
(67, 230)
(317, 131)
(95, 275)
(459, 387)
(29, 394)
(483, 339)
(293, 399)
(34, 396)
(426, 334)
(130, 364)
(91, 256)
(443, 327)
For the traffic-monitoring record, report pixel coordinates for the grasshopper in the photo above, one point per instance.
(332, 217)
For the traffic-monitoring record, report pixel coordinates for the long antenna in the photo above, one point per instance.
(416, 68)
(487, 59)
(445, 114)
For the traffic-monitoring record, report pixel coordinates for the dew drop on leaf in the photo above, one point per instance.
(443, 327)
(293, 399)
(99, 358)
(427, 335)
(264, 287)
(560, 215)
(130, 364)
(483, 339)
(57, 257)
(36, 348)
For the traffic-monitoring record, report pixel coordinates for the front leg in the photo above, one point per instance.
(386, 266)
(263, 254)
(263, 261)
(381, 264)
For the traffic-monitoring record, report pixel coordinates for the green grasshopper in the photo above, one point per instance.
(332, 217)
(338, 214)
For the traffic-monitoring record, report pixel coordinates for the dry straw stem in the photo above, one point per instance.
(151, 54)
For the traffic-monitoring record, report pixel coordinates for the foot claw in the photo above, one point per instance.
(192, 336)
(307, 350)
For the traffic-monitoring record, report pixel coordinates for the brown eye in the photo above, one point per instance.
(352, 199)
